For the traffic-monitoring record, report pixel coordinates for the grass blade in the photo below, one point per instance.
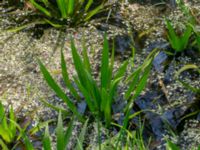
(111, 63)
(113, 88)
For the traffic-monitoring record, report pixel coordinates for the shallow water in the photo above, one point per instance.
(23, 85)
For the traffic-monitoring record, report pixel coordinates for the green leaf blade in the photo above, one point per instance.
(60, 93)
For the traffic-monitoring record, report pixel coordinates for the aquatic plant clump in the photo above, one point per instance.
(68, 12)
(99, 98)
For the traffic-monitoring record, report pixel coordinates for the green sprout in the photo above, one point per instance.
(178, 43)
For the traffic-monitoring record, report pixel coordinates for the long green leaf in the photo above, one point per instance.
(105, 64)
(60, 134)
(68, 132)
(86, 60)
(172, 36)
(87, 96)
(93, 12)
(95, 92)
(3, 145)
(121, 71)
(135, 80)
(66, 77)
(51, 82)
(27, 142)
(78, 63)
(5, 134)
(71, 5)
(42, 9)
(46, 141)
(93, 89)
(85, 77)
(12, 126)
(178, 43)
(82, 136)
(89, 3)
(53, 24)
(62, 5)
(143, 81)
(3, 120)
(39, 126)
(46, 2)
(57, 108)
(186, 36)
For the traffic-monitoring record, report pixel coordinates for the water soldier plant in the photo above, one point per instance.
(178, 43)
(98, 96)
(68, 12)
(191, 21)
